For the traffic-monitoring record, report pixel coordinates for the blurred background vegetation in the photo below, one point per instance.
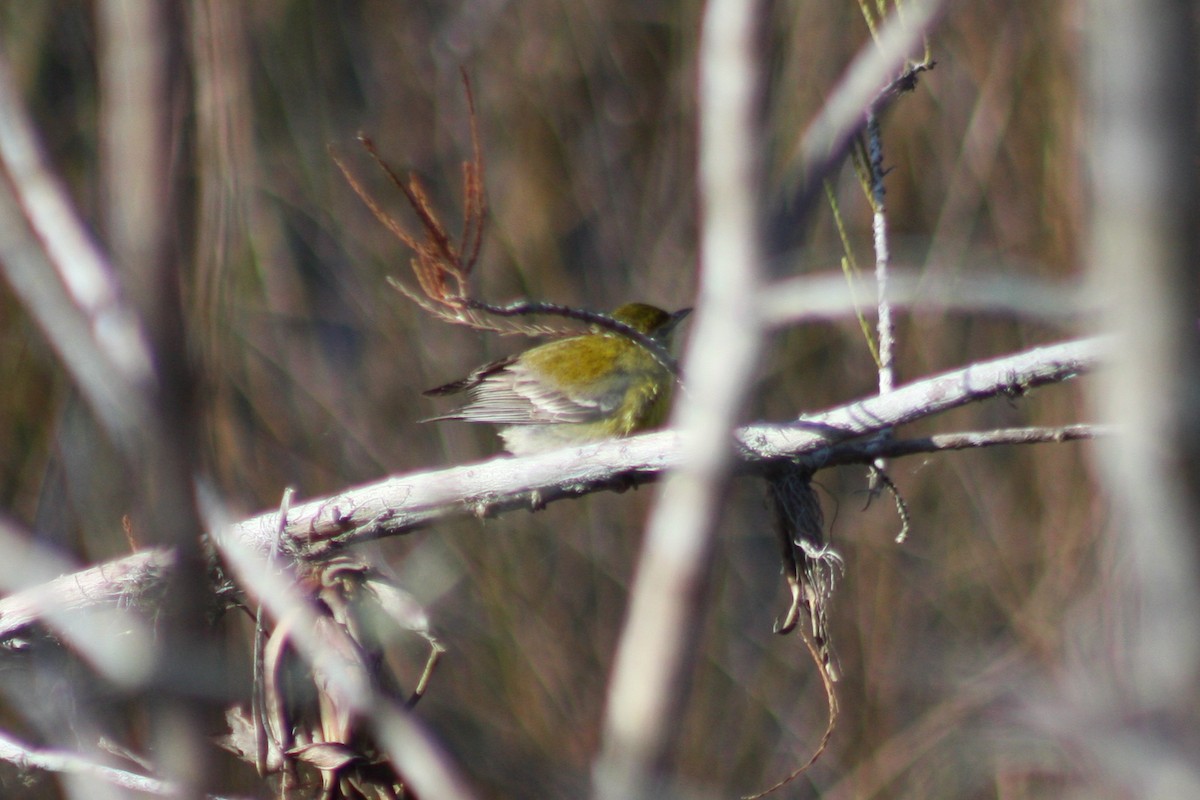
(312, 368)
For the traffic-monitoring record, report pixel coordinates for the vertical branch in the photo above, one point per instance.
(1145, 247)
(663, 622)
(886, 329)
(134, 147)
(127, 357)
(140, 89)
(1145, 250)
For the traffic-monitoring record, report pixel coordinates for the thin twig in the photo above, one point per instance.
(372, 205)
(884, 326)
(475, 198)
(831, 703)
(258, 698)
(863, 451)
(870, 86)
(419, 201)
(883, 478)
(522, 308)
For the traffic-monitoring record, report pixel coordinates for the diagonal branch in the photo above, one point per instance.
(869, 87)
(64, 279)
(25, 757)
(405, 503)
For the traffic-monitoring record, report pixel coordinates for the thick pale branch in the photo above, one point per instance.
(404, 503)
(1011, 376)
(30, 758)
(122, 582)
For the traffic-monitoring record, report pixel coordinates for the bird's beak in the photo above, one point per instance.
(675, 319)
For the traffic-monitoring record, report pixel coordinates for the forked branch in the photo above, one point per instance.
(443, 267)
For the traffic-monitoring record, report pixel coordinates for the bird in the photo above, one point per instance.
(573, 391)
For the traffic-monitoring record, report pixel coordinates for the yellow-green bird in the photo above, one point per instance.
(572, 391)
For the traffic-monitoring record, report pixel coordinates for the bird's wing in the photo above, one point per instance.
(514, 396)
(511, 392)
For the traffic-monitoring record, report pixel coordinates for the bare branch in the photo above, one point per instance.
(864, 451)
(883, 258)
(416, 756)
(405, 503)
(111, 638)
(827, 297)
(26, 757)
(870, 84)
(662, 622)
(1007, 376)
(63, 278)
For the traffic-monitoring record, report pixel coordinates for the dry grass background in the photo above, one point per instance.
(312, 368)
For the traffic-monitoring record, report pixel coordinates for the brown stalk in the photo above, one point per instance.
(443, 269)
